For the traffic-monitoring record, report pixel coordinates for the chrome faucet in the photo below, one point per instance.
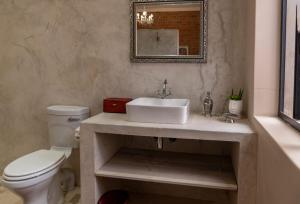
(165, 92)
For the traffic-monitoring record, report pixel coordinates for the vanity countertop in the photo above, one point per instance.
(197, 127)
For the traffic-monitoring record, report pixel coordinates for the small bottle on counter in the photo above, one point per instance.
(208, 105)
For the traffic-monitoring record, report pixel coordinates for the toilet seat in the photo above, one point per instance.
(30, 182)
(33, 165)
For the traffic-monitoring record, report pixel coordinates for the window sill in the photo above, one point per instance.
(285, 136)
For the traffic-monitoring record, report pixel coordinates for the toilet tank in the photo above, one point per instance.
(62, 122)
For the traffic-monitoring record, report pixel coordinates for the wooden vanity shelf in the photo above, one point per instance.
(172, 168)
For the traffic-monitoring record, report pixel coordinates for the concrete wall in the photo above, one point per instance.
(77, 53)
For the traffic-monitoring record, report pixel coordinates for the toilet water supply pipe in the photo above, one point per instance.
(77, 134)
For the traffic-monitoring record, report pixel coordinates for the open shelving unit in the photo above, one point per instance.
(214, 172)
(205, 161)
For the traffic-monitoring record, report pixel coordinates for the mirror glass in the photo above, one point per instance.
(169, 31)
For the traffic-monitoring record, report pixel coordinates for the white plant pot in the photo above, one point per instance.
(235, 107)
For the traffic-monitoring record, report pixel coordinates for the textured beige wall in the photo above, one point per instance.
(267, 57)
(77, 52)
(278, 176)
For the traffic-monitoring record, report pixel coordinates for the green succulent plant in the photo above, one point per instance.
(236, 97)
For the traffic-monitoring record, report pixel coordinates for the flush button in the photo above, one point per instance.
(73, 119)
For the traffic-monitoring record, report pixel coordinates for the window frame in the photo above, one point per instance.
(281, 114)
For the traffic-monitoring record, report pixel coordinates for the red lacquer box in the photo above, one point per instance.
(115, 105)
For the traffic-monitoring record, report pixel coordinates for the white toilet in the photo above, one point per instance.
(31, 175)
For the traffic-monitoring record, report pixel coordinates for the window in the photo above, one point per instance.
(289, 103)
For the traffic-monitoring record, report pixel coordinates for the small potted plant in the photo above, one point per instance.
(235, 105)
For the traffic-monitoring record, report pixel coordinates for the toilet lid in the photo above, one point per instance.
(33, 163)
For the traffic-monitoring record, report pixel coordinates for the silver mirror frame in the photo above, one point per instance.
(169, 59)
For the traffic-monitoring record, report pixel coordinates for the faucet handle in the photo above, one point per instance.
(231, 118)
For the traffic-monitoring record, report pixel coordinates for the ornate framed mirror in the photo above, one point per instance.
(169, 31)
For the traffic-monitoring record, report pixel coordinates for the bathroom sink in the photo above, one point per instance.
(156, 110)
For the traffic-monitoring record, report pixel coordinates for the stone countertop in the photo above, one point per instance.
(197, 127)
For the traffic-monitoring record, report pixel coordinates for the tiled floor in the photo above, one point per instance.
(73, 197)
(6, 196)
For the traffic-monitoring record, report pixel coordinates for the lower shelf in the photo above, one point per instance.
(137, 198)
(172, 168)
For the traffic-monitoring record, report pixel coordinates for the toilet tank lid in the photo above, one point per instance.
(67, 110)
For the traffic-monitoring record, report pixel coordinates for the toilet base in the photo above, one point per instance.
(55, 193)
(43, 191)
(36, 194)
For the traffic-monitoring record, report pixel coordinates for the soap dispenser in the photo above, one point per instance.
(208, 105)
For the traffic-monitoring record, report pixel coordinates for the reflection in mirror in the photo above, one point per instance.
(169, 31)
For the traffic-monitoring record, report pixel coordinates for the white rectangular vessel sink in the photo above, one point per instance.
(156, 110)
